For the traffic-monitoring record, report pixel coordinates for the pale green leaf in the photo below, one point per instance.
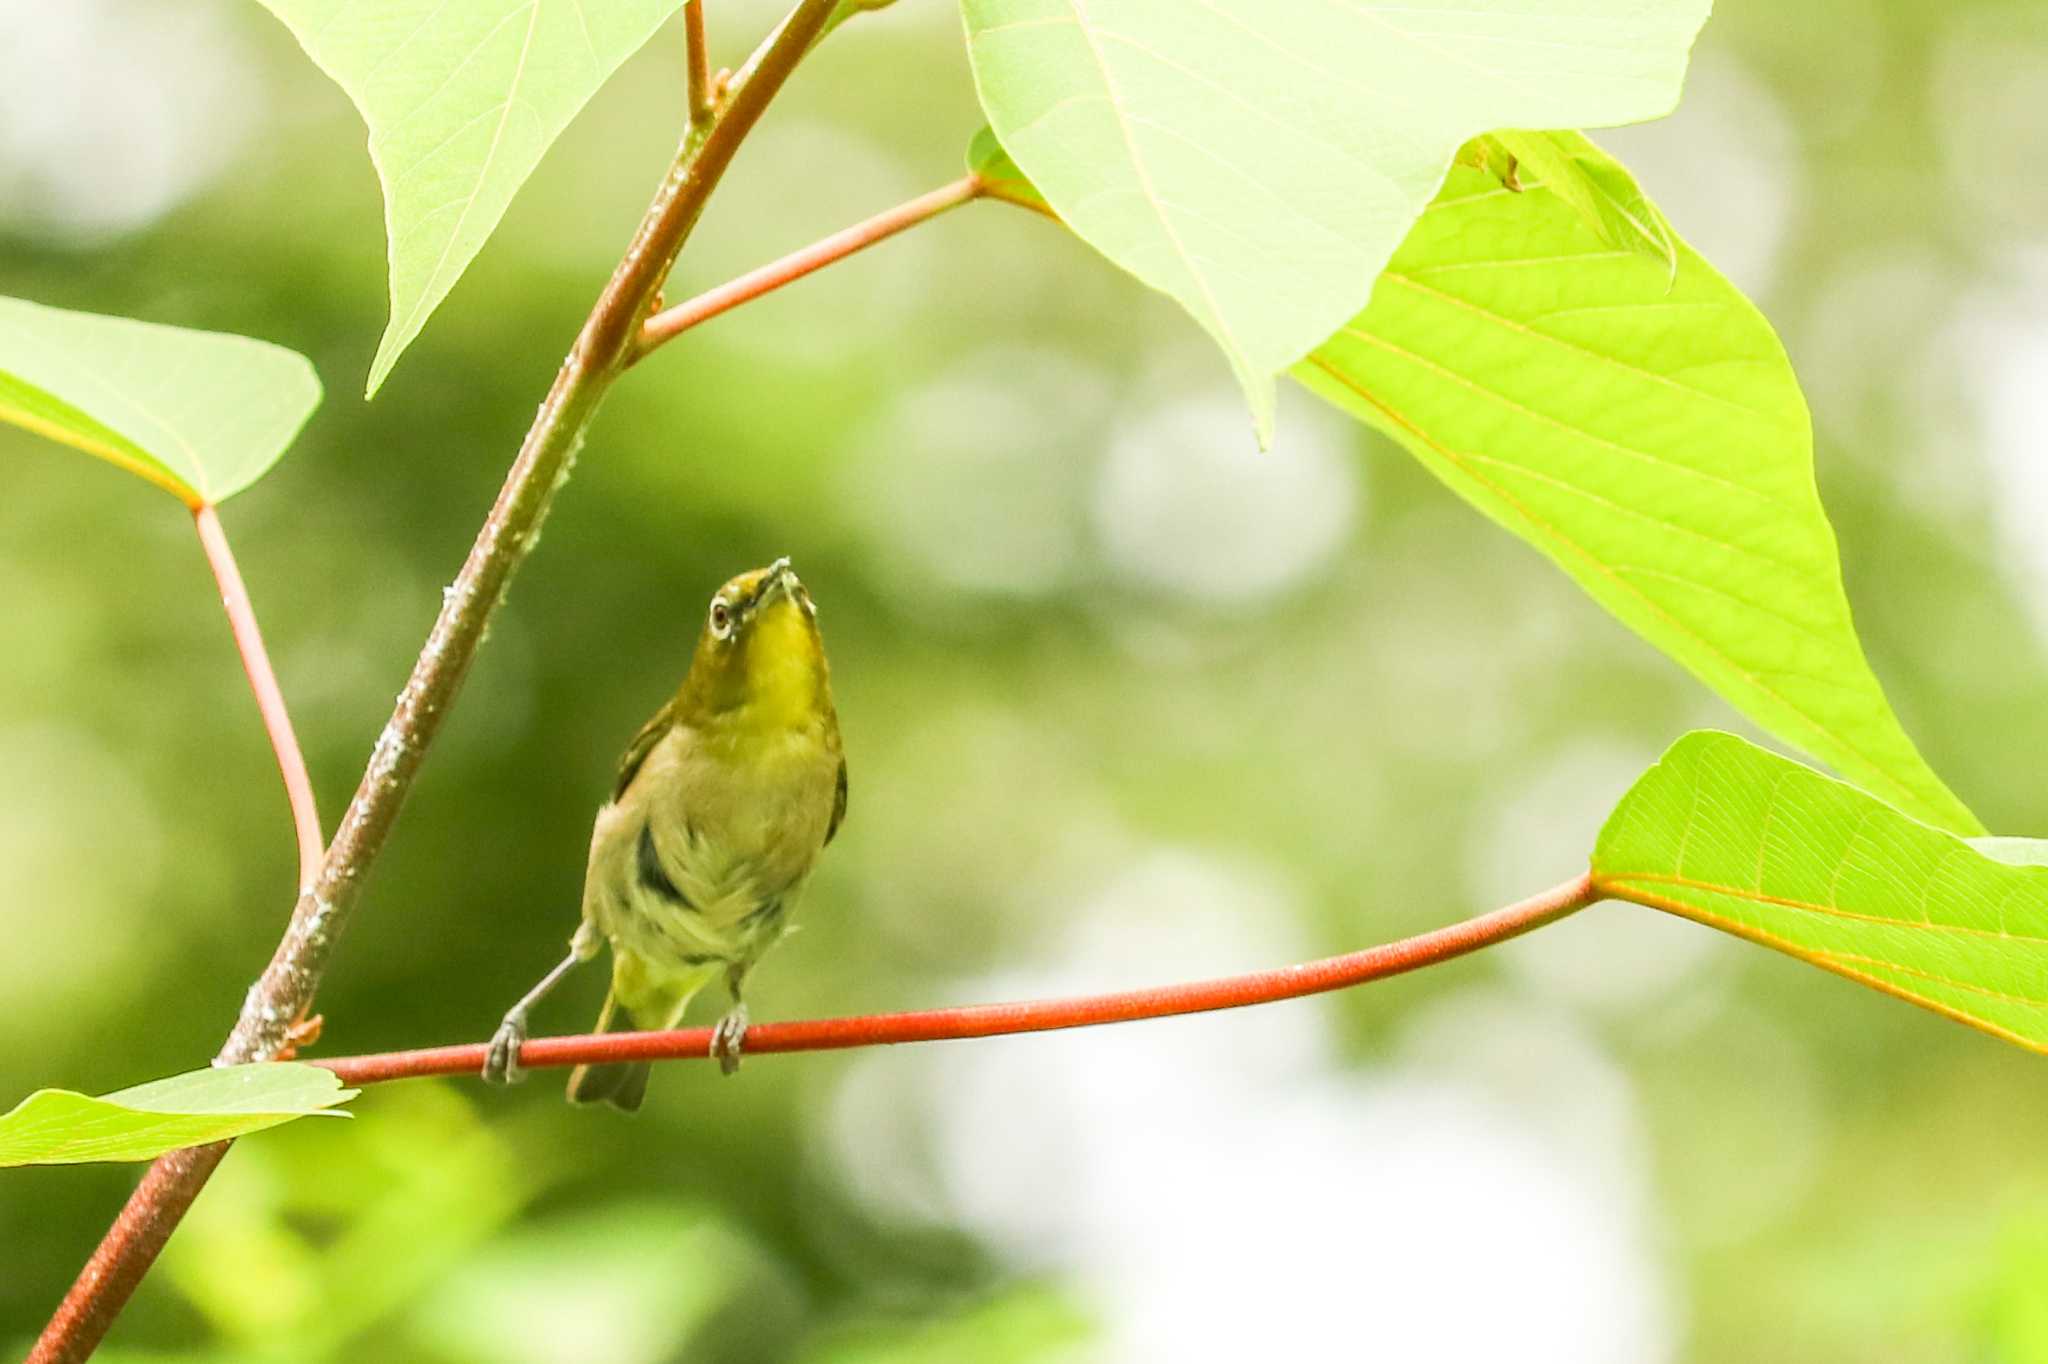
(1723, 832)
(461, 101)
(59, 1127)
(200, 414)
(1645, 431)
(1259, 160)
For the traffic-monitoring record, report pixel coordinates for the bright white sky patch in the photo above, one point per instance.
(1222, 1188)
(1186, 503)
(1999, 354)
(112, 112)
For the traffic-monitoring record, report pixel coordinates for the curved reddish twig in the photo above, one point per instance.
(277, 721)
(673, 322)
(992, 1020)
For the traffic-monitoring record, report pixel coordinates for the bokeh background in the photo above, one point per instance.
(1125, 702)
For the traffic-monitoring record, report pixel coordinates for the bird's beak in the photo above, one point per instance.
(779, 581)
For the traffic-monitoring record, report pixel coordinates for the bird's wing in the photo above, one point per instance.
(643, 744)
(838, 804)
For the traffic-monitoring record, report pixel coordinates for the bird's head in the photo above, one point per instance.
(759, 655)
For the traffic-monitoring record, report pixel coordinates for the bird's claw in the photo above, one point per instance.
(729, 1037)
(501, 1063)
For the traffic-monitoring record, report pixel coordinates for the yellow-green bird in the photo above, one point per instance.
(722, 804)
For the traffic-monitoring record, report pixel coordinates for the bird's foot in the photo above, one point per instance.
(728, 1037)
(501, 1063)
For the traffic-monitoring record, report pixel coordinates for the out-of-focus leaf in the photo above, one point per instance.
(319, 1234)
(628, 1284)
(462, 100)
(201, 415)
(1646, 432)
(1259, 160)
(59, 1127)
(1736, 837)
(1030, 1326)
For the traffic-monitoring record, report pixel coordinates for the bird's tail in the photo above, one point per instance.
(622, 1084)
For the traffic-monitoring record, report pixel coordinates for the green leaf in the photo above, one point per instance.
(59, 1127)
(1732, 836)
(1598, 190)
(1645, 431)
(1028, 1325)
(200, 414)
(663, 1270)
(461, 101)
(1000, 177)
(1259, 160)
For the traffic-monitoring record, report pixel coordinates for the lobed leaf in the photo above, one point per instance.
(1642, 427)
(1259, 160)
(1725, 833)
(59, 1127)
(461, 101)
(201, 415)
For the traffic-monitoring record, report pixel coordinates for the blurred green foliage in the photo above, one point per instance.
(1075, 621)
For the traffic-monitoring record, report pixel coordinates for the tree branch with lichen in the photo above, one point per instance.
(284, 993)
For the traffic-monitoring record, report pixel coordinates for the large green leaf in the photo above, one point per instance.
(200, 414)
(461, 101)
(59, 1127)
(1645, 431)
(1726, 833)
(1259, 160)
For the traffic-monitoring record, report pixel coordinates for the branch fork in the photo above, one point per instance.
(331, 885)
(627, 323)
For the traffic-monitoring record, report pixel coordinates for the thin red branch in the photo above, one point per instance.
(673, 322)
(277, 721)
(995, 1020)
(137, 1236)
(699, 58)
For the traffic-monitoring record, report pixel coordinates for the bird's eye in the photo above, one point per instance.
(721, 620)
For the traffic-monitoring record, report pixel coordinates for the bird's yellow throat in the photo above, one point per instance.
(785, 667)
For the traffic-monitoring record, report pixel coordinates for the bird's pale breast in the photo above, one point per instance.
(696, 864)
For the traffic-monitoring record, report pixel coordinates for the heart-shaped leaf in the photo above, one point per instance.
(200, 414)
(1259, 160)
(1629, 413)
(59, 1127)
(1643, 428)
(461, 101)
(1723, 832)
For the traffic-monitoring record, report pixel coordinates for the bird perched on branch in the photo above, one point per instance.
(722, 804)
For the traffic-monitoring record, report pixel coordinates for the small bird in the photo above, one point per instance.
(722, 804)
